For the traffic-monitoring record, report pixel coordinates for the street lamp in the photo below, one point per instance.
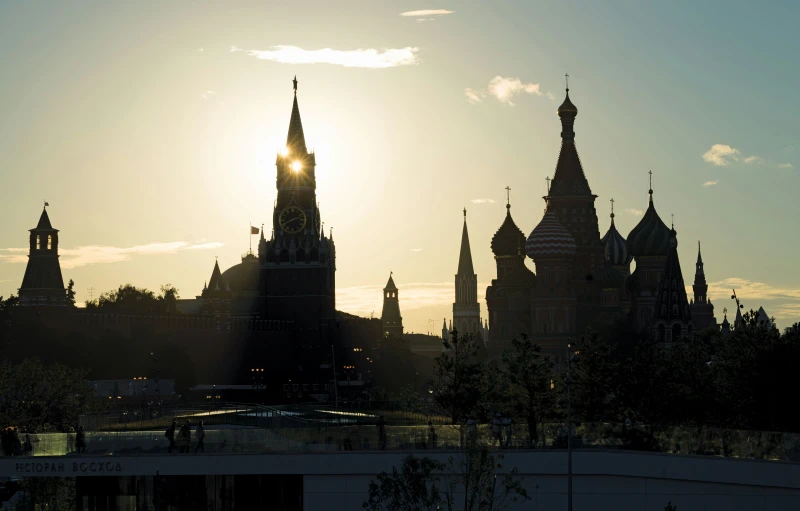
(257, 375)
(570, 359)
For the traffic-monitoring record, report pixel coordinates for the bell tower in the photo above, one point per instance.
(43, 284)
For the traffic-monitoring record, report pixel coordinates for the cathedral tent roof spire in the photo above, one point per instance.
(569, 178)
(295, 139)
(465, 257)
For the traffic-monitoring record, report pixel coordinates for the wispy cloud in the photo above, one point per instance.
(99, 254)
(482, 201)
(426, 12)
(785, 165)
(416, 250)
(634, 211)
(208, 94)
(474, 95)
(723, 155)
(710, 183)
(362, 300)
(504, 89)
(368, 58)
(551, 96)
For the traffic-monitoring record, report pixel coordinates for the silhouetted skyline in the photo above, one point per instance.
(152, 132)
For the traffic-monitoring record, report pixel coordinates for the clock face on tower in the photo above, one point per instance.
(292, 220)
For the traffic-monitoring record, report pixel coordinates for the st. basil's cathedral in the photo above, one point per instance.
(582, 280)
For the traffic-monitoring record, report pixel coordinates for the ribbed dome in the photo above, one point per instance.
(609, 277)
(650, 237)
(509, 239)
(616, 248)
(550, 239)
(567, 109)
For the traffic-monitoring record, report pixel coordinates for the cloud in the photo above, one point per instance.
(474, 96)
(426, 12)
(721, 155)
(207, 94)
(781, 302)
(482, 201)
(634, 211)
(362, 300)
(753, 159)
(99, 254)
(551, 96)
(785, 165)
(368, 58)
(416, 250)
(504, 89)
(710, 183)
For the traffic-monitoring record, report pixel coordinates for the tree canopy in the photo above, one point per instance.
(134, 300)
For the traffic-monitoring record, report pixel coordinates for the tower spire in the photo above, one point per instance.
(612, 211)
(295, 139)
(650, 191)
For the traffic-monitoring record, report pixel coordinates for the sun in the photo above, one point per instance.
(285, 152)
(297, 166)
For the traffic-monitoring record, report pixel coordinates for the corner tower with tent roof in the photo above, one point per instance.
(43, 284)
(391, 320)
(297, 263)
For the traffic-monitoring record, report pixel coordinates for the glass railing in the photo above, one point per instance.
(674, 440)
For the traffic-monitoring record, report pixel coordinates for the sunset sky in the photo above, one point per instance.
(151, 128)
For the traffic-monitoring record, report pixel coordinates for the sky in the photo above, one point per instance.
(151, 128)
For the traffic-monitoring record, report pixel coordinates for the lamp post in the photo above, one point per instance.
(569, 424)
(257, 375)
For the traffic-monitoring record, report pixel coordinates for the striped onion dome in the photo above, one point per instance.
(616, 248)
(651, 236)
(550, 239)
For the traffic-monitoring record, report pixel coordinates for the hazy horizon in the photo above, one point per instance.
(151, 129)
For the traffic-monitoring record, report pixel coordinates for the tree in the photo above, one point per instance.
(71, 292)
(128, 299)
(458, 377)
(528, 375)
(597, 380)
(42, 398)
(413, 488)
(7, 307)
(47, 493)
(475, 476)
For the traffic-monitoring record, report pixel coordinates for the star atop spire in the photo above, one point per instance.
(294, 82)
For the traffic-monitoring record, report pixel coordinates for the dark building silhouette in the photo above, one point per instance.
(583, 280)
(297, 273)
(701, 307)
(466, 309)
(42, 284)
(672, 319)
(391, 320)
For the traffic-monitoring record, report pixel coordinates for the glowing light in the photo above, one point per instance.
(285, 152)
(296, 166)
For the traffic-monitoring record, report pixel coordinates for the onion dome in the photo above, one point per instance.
(609, 277)
(550, 240)
(616, 248)
(509, 239)
(567, 109)
(651, 236)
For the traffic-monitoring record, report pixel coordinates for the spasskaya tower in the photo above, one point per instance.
(297, 264)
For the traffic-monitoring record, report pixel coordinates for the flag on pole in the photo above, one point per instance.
(46, 203)
(254, 230)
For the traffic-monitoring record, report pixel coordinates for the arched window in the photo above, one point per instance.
(38, 243)
(49, 242)
(677, 331)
